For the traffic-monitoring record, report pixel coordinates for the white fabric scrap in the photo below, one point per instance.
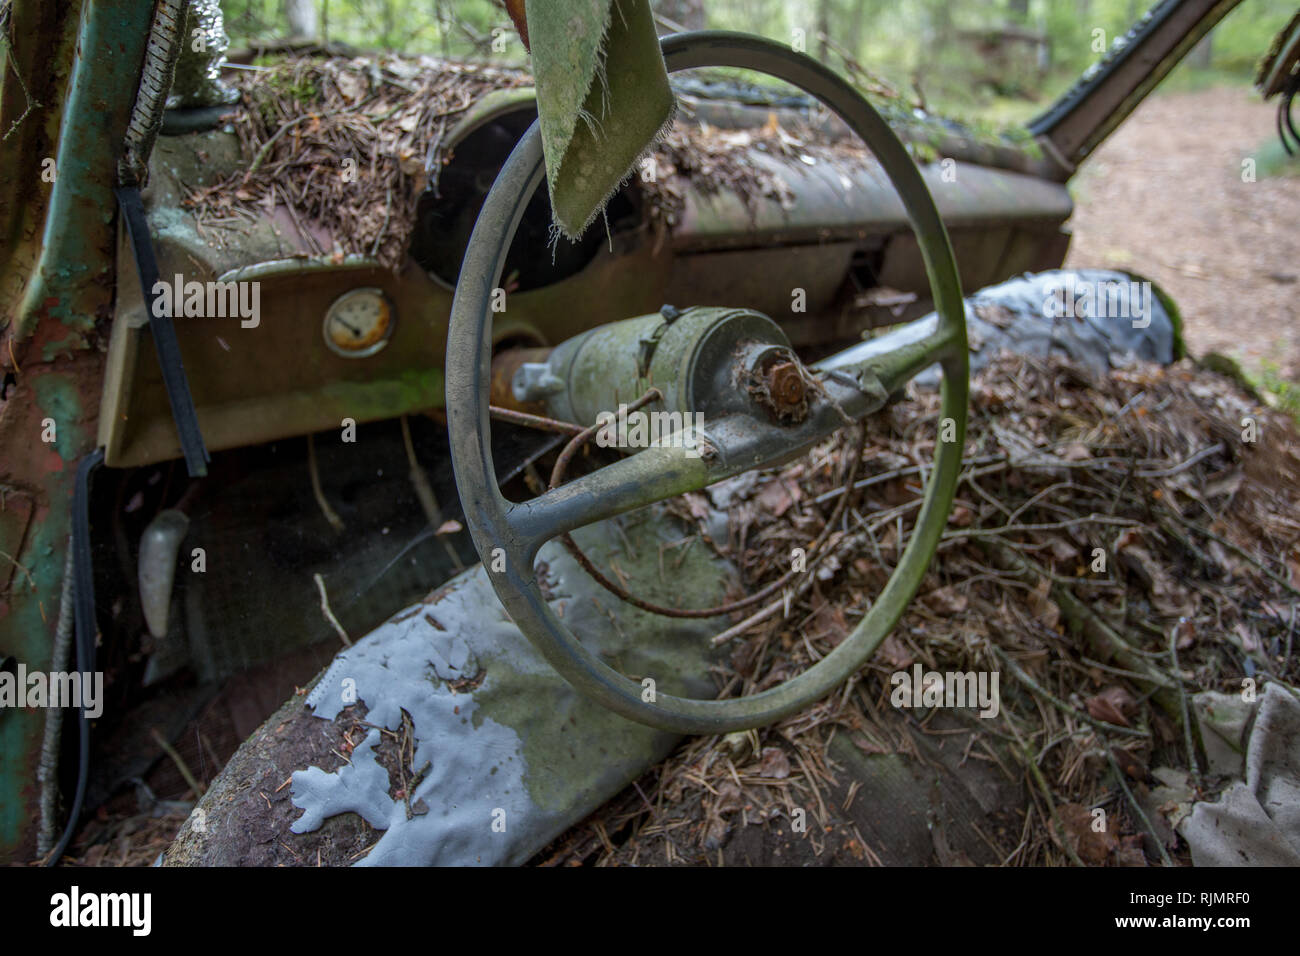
(1257, 822)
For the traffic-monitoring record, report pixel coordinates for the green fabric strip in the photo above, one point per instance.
(602, 97)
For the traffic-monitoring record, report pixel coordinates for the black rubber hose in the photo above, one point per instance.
(83, 572)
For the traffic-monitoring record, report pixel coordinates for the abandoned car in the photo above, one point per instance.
(327, 466)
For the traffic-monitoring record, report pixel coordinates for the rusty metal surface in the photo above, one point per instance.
(505, 363)
(783, 391)
(246, 393)
(56, 281)
(245, 388)
(37, 71)
(70, 278)
(762, 279)
(252, 385)
(36, 480)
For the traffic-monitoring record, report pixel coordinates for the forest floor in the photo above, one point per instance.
(1165, 196)
(1100, 669)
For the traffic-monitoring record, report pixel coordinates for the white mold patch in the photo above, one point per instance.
(474, 772)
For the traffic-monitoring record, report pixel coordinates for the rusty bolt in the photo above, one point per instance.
(783, 391)
(775, 381)
(785, 385)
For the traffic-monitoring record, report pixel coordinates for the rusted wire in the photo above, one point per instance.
(586, 434)
(814, 550)
(540, 422)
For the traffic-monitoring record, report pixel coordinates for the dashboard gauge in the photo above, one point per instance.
(359, 323)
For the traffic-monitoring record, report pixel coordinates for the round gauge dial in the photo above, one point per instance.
(359, 323)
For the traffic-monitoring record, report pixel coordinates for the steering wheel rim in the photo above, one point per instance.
(494, 522)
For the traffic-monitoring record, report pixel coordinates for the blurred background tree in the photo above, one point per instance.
(300, 19)
(999, 60)
(687, 14)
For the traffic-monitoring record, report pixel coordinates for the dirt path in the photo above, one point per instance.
(1165, 197)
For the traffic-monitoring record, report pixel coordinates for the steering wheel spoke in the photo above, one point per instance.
(650, 475)
(894, 359)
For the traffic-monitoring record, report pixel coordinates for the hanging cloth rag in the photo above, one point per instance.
(602, 97)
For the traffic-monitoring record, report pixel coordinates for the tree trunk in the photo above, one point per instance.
(823, 28)
(854, 39)
(300, 19)
(688, 14)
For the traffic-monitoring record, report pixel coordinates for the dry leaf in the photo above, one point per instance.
(1044, 607)
(774, 764)
(1062, 551)
(1132, 766)
(1130, 851)
(729, 799)
(1246, 637)
(1076, 451)
(714, 832)
(1091, 846)
(1113, 705)
(895, 654)
(774, 498)
(946, 600)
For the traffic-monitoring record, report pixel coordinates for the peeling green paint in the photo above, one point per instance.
(29, 614)
(76, 245)
(56, 349)
(57, 397)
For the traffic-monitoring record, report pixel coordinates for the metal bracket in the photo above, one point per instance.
(651, 342)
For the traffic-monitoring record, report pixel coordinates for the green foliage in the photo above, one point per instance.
(1272, 160)
(454, 28)
(1244, 35)
(1264, 382)
(301, 89)
(1282, 393)
(925, 49)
